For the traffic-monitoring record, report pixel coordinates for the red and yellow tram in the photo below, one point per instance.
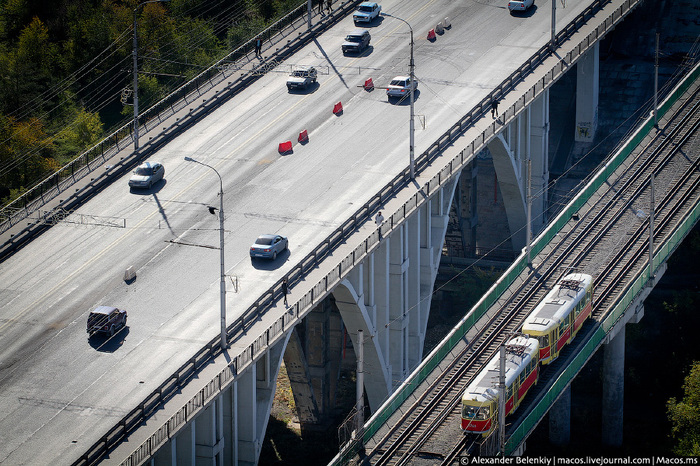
(554, 323)
(480, 399)
(556, 320)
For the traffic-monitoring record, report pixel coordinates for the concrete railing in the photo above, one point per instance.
(343, 265)
(288, 34)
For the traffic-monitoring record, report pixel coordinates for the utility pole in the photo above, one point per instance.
(502, 402)
(360, 387)
(552, 42)
(656, 82)
(529, 210)
(651, 230)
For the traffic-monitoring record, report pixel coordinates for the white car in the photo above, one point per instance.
(367, 12)
(400, 86)
(301, 77)
(519, 5)
(146, 175)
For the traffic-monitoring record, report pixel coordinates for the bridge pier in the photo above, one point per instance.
(523, 141)
(560, 419)
(312, 359)
(587, 90)
(613, 389)
(388, 296)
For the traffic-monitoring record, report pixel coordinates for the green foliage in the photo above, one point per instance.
(84, 132)
(469, 287)
(65, 64)
(685, 415)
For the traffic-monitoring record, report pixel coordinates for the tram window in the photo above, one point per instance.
(469, 412)
(544, 340)
(483, 413)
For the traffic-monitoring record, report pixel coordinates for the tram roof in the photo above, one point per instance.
(485, 386)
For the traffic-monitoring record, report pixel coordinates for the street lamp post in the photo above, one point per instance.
(136, 75)
(412, 78)
(224, 342)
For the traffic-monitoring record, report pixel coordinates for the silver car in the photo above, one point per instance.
(400, 86)
(268, 246)
(146, 175)
(520, 5)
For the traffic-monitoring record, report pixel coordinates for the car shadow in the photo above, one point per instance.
(366, 52)
(525, 14)
(310, 89)
(106, 344)
(152, 190)
(268, 264)
(375, 22)
(405, 100)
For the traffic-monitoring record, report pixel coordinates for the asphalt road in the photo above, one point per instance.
(59, 392)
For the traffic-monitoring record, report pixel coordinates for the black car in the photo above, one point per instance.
(106, 319)
(356, 41)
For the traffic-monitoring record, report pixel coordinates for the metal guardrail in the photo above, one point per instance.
(661, 256)
(275, 332)
(58, 183)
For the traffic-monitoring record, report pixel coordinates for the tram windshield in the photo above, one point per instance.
(473, 412)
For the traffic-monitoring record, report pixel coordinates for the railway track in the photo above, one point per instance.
(435, 413)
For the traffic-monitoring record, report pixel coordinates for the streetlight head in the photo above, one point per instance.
(189, 159)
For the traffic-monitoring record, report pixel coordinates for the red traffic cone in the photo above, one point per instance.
(285, 147)
(303, 137)
(338, 109)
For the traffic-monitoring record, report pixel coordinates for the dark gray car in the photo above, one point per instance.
(356, 41)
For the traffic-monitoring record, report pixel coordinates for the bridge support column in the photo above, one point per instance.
(539, 155)
(508, 165)
(312, 359)
(398, 309)
(587, 89)
(359, 314)
(246, 417)
(614, 389)
(560, 419)
(208, 427)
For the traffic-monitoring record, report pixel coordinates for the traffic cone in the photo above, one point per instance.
(285, 147)
(431, 34)
(303, 137)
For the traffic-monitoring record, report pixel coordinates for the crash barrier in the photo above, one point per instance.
(303, 137)
(369, 85)
(285, 147)
(289, 33)
(431, 34)
(338, 109)
(245, 357)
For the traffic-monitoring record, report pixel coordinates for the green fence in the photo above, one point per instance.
(458, 333)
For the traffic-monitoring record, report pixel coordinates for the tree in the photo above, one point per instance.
(685, 415)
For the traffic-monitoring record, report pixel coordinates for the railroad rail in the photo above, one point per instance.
(434, 416)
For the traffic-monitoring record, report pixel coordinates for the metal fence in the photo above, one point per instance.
(344, 264)
(193, 92)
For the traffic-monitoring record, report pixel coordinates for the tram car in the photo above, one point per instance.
(480, 399)
(559, 316)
